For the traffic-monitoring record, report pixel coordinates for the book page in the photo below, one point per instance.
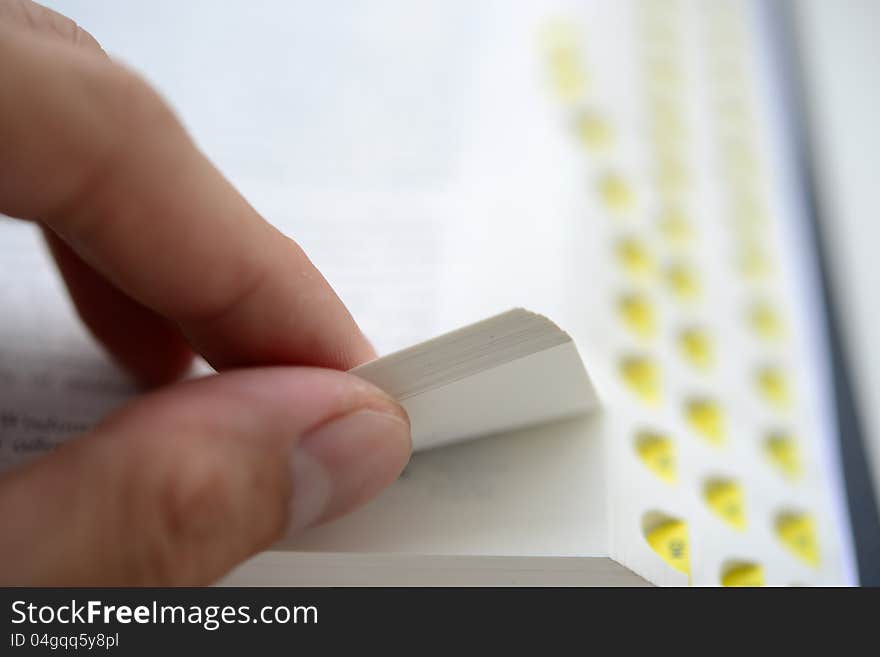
(384, 168)
(445, 162)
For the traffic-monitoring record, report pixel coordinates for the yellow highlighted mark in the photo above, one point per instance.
(783, 452)
(725, 498)
(593, 131)
(567, 74)
(706, 419)
(658, 454)
(634, 257)
(696, 347)
(682, 281)
(754, 262)
(670, 540)
(746, 574)
(797, 531)
(642, 377)
(638, 314)
(773, 385)
(675, 227)
(671, 176)
(616, 193)
(765, 321)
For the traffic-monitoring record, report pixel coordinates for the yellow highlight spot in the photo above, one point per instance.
(674, 226)
(682, 281)
(706, 419)
(797, 531)
(773, 385)
(658, 454)
(670, 540)
(593, 131)
(725, 498)
(671, 176)
(634, 257)
(567, 73)
(783, 452)
(696, 347)
(667, 132)
(642, 377)
(745, 574)
(638, 314)
(765, 321)
(616, 193)
(561, 38)
(754, 262)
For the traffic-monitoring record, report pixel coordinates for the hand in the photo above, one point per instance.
(161, 257)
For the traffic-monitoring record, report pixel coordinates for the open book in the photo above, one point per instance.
(508, 372)
(522, 500)
(621, 168)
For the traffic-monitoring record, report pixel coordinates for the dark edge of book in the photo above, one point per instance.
(863, 506)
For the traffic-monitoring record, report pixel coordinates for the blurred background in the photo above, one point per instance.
(837, 53)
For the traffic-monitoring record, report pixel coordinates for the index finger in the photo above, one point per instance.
(90, 150)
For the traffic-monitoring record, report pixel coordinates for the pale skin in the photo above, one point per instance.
(163, 259)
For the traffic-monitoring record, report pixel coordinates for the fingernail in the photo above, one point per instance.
(345, 462)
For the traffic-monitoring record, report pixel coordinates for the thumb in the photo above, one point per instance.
(181, 485)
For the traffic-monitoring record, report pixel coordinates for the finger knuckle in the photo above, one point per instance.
(206, 510)
(194, 502)
(135, 107)
(126, 117)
